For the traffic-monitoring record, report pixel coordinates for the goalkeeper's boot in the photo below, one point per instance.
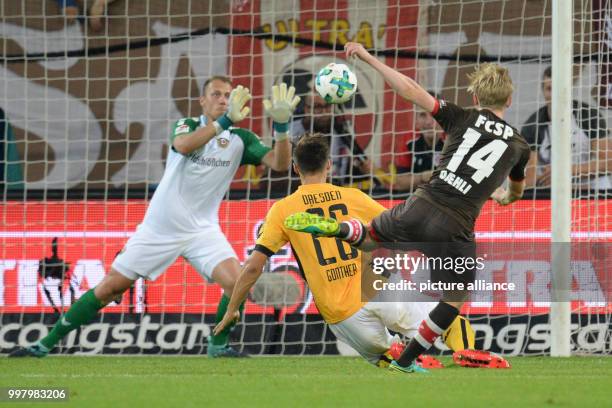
(36, 350)
(312, 224)
(223, 351)
(412, 368)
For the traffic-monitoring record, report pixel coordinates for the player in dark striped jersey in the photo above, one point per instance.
(481, 151)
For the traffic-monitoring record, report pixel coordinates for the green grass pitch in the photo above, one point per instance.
(309, 382)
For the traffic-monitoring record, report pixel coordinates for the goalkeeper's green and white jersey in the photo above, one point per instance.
(193, 185)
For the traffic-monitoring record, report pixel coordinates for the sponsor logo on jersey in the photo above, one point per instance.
(181, 129)
(208, 161)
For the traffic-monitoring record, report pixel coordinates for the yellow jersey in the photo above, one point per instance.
(332, 267)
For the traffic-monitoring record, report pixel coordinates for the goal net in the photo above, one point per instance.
(86, 113)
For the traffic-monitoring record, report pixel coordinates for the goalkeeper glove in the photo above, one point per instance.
(281, 108)
(236, 110)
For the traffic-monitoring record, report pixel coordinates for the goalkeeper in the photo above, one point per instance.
(182, 217)
(333, 268)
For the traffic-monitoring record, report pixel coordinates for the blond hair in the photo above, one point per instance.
(491, 84)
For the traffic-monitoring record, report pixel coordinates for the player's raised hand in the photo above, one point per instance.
(228, 319)
(281, 107)
(237, 110)
(356, 50)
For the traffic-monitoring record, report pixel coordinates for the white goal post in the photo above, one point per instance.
(561, 183)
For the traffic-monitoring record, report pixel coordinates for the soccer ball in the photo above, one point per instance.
(336, 83)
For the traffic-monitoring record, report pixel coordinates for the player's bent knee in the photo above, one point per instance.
(228, 287)
(226, 274)
(113, 285)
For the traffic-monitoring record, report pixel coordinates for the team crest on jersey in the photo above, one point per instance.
(223, 142)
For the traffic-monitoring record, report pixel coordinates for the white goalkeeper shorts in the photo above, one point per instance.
(367, 332)
(148, 254)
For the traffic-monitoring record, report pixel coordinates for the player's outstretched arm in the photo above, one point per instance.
(251, 271)
(279, 158)
(236, 112)
(514, 192)
(403, 85)
(280, 109)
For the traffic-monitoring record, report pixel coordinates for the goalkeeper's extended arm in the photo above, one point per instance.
(280, 109)
(403, 85)
(251, 271)
(236, 112)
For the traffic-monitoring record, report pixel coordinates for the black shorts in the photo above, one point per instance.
(418, 224)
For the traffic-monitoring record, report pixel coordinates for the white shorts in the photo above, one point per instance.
(148, 254)
(366, 330)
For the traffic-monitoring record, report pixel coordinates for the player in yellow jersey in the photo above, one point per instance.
(333, 268)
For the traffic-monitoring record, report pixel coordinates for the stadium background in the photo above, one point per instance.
(92, 128)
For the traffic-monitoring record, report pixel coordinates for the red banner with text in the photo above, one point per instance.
(91, 233)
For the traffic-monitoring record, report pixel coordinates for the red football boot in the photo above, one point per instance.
(396, 350)
(479, 358)
(427, 361)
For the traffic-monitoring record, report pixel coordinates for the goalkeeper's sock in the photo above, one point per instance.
(82, 312)
(352, 231)
(440, 318)
(222, 338)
